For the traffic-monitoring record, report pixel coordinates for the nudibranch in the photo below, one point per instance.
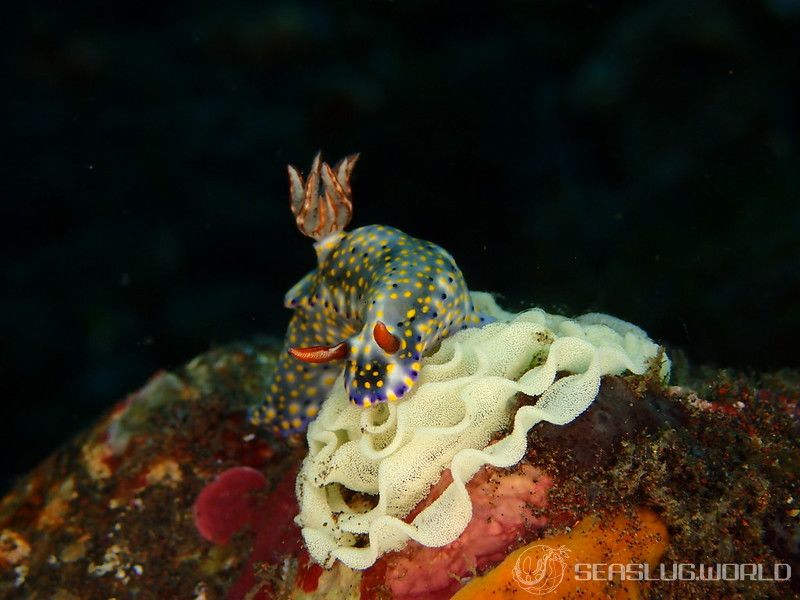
(378, 301)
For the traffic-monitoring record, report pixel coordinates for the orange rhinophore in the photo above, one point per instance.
(388, 342)
(320, 354)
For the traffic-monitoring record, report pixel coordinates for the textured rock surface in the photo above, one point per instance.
(172, 494)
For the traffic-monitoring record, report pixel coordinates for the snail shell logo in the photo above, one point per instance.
(541, 568)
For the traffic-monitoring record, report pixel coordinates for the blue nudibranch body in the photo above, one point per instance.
(378, 301)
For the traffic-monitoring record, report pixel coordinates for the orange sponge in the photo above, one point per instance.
(588, 562)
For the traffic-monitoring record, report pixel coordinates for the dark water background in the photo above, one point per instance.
(637, 158)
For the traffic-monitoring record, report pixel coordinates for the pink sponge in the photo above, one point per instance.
(504, 511)
(228, 503)
(234, 500)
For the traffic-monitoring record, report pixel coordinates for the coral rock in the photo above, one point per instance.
(173, 495)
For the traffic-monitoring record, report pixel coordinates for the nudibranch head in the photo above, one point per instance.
(379, 368)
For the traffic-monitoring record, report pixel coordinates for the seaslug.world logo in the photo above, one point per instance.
(540, 569)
